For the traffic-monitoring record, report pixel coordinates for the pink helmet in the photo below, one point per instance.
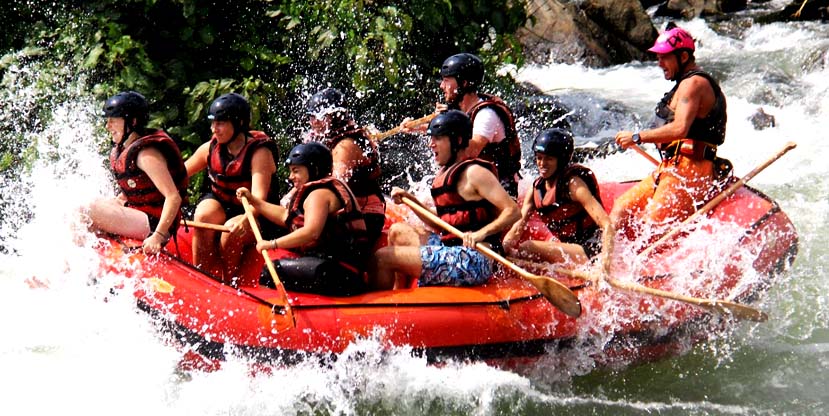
(671, 40)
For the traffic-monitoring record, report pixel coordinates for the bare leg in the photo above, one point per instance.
(555, 252)
(393, 266)
(233, 246)
(111, 216)
(391, 260)
(205, 242)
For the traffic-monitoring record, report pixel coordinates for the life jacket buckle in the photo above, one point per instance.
(694, 149)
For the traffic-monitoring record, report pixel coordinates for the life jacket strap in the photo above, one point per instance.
(694, 149)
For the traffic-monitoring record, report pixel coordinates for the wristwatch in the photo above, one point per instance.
(637, 139)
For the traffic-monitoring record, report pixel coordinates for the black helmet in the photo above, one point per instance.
(231, 107)
(452, 123)
(314, 156)
(557, 143)
(325, 102)
(128, 105)
(464, 67)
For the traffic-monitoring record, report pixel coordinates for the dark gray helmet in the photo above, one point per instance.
(314, 156)
(129, 105)
(231, 107)
(325, 102)
(455, 124)
(464, 67)
(557, 143)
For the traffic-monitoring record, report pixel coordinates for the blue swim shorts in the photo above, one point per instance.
(452, 266)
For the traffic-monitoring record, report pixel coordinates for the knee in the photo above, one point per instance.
(401, 234)
(204, 214)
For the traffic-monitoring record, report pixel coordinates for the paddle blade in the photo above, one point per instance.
(739, 311)
(558, 294)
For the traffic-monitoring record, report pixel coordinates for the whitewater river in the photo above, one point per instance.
(75, 348)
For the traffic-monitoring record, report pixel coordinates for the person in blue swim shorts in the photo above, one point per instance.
(468, 195)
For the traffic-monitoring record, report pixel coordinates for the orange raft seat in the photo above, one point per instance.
(504, 321)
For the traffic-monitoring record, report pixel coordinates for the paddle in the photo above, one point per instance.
(268, 261)
(714, 305)
(556, 292)
(205, 225)
(719, 198)
(409, 124)
(645, 154)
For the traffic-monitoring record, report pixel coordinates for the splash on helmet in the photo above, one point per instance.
(324, 102)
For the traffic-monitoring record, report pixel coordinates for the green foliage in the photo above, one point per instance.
(181, 54)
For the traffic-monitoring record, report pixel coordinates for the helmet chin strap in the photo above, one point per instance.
(452, 160)
(128, 130)
(455, 151)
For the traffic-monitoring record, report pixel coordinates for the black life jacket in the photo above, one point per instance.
(506, 154)
(344, 237)
(568, 220)
(137, 187)
(710, 129)
(226, 173)
(462, 214)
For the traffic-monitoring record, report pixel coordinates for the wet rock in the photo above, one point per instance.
(540, 112)
(799, 10)
(689, 9)
(762, 120)
(605, 147)
(593, 32)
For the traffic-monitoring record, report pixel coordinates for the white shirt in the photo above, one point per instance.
(487, 124)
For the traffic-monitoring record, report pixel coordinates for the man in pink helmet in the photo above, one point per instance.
(689, 125)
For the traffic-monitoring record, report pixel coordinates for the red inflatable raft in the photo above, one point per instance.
(503, 320)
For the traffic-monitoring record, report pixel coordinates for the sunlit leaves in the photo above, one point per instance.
(183, 53)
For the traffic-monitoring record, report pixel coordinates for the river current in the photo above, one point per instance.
(77, 348)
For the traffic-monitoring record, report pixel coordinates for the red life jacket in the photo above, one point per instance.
(365, 177)
(506, 154)
(139, 190)
(227, 173)
(458, 212)
(566, 219)
(344, 237)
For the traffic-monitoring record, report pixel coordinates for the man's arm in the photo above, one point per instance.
(514, 234)
(347, 156)
(486, 128)
(483, 183)
(688, 98)
(197, 162)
